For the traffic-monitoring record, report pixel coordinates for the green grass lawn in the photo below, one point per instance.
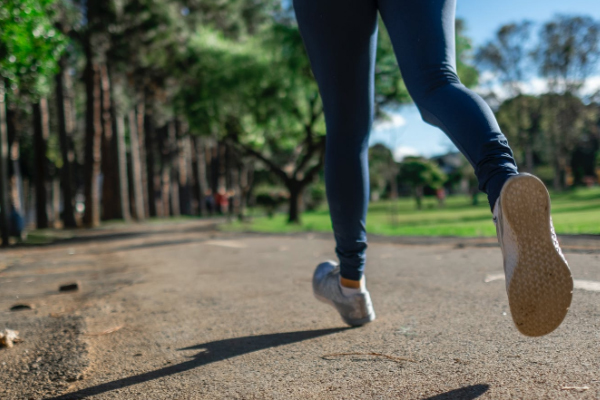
(574, 212)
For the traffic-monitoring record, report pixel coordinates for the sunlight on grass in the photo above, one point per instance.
(574, 212)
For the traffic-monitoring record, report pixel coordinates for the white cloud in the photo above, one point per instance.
(393, 121)
(592, 85)
(533, 86)
(401, 152)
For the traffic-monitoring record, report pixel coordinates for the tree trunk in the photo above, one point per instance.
(170, 183)
(141, 132)
(121, 152)
(419, 197)
(27, 206)
(117, 146)
(393, 181)
(175, 203)
(4, 203)
(184, 169)
(152, 180)
(16, 179)
(40, 144)
(56, 203)
(556, 179)
(165, 191)
(246, 175)
(475, 198)
(93, 141)
(66, 127)
(222, 167)
(200, 171)
(296, 190)
(111, 207)
(213, 163)
(136, 169)
(529, 158)
(233, 195)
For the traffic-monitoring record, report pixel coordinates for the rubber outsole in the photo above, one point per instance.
(541, 288)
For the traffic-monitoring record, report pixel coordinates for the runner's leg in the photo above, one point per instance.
(340, 38)
(423, 36)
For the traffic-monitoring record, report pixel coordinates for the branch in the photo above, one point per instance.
(315, 169)
(309, 153)
(309, 131)
(270, 164)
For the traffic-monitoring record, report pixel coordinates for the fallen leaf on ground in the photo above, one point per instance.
(591, 286)
(395, 359)
(576, 388)
(8, 337)
(493, 277)
(226, 243)
(106, 332)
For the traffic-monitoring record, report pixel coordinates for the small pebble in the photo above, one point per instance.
(69, 287)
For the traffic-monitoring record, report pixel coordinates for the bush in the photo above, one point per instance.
(271, 200)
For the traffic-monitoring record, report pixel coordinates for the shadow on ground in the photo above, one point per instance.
(465, 393)
(134, 231)
(213, 352)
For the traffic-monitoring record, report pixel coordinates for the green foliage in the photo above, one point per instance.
(520, 118)
(389, 86)
(30, 46)
(469, 76)
(518, 114)
(550, 127)
(382, 168)
(419, 172)
(270, 200)
(508, 54)
(463, 171)
(568, 51)
(235, 19)
(224, 79)
(261, 89)
(562, 120)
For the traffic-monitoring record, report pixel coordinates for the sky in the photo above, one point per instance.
(406, 133)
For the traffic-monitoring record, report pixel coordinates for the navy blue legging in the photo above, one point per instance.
(340, 37)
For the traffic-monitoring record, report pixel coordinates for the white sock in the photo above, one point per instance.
(346, 291)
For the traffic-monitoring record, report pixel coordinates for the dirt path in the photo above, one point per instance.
(186, 312)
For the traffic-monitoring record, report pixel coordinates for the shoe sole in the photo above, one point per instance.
(351, 322)
(541, 288)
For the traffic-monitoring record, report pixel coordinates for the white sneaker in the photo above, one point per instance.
(538, 279)
(355, 309)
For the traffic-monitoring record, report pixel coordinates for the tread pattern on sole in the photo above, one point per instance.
(541, 287)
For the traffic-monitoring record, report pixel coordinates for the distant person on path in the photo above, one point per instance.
(341, 40)
(209, 201)
(222, 201)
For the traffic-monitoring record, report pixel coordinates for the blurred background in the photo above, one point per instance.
(135, 110)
